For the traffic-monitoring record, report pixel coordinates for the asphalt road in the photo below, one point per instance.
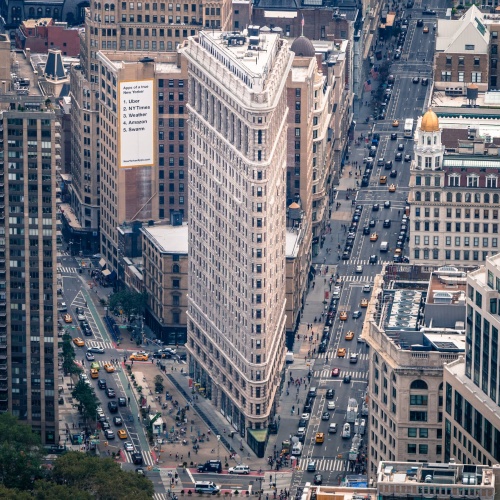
(408, 101)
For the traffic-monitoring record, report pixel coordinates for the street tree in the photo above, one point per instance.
(129, 302)
(68, 355)
(21, 454)
(49, 490)
(158, 383)
(87, 400)
(101, 478)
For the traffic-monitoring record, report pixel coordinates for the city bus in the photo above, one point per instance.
(408, 130)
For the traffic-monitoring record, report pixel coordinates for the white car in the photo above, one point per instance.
(239, 469)
(359, 269)
(128, 446)
(81, 317)
(90, 356)
(331, 405)
(305, 416)
(367, 288)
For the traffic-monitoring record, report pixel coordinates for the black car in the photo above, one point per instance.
(136, 458)
(388, 165)
(420, 22)
(101, 383)
(87, 331)
(401, 146)
(110, 392)
(347, 379)
(407, 158)
(366, 230)
(122, 402)
(376, 207)
(373, 259)
(394, 136)
(322, 347)
(416, 79)
(365, 181)
(358, 208)
(425, 82)
(387, 223)
(397, 55)
(394, 173)
(318, 479)
(372, 223)
(429, 12)
(346, 256)
(113, 407)
(355, 218)
(330, 394)
(380, 162)
(118, 421)
(398, 157)
(308, 406)
(387, 204)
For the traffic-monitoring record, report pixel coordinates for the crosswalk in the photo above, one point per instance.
(96, 343)
(364, 262)
(327, 373)
(361, 356)
(67, 270)
(324, 464)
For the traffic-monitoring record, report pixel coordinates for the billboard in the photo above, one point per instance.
(136, 123)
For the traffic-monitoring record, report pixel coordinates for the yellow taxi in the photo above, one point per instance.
(395, 123)
(341, 352)
(398, 251)
(349, 335)
(320, 438)
(122, 434)
(67, 318)
(109, 367)
(383, 179)
(94, 373)
(364, 303)
(374, 237)
(426, 29)
(392, 188)
(139, 356)
(78, 342)
(343, 316)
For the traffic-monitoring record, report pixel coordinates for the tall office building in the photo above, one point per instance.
(237, 189)
(30, 153)
(149, 29)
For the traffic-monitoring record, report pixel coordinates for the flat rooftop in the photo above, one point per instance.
(249, 55)
(447, 288)
(167, 238)
(429, 474)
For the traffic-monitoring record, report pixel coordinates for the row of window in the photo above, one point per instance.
(457, 255)
(475, 76)
(458, 212)
(426, 240)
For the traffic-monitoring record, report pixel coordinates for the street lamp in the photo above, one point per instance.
(218, 446)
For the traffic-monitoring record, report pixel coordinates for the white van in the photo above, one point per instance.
(297, 449)
(362, 427)
(346, 431)
(206, 487)
(384, 246)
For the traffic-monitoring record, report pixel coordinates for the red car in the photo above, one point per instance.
(335, 372)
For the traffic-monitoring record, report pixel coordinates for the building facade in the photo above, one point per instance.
(472, 385)
(28, 304)
(237, 223)
(165, 277)
(453, 198)
(405, 391)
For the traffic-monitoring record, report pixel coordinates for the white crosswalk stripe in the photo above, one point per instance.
(67, 270)
(361, 355)
(364, 262)
(95, 343)
(327, 373)
(324, 464)
(147, 458)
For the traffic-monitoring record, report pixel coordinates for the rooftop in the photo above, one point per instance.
(249, 54)
(447, 286)
(437, 474)
(167, 238)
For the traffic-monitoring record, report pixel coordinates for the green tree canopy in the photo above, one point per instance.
(47, 490)
(21, 453)
(128, 302)
(87, 400)
(14, 494)
(101, 478)
(68, 355)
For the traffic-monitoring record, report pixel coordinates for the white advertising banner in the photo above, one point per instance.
(136, 123)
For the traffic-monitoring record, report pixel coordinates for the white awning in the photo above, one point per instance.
(280, 14)
(102, 262)
(106, 272)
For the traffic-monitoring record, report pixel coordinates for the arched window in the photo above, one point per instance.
(418, 196)
(384, 367)
(56, 13)
(175, 268)
(435, 139)
(112, 7)
(495, 198)
(458, 197)
(477, 198)
(449, 197)
(429, 141)
(106, 6)
(487, 198)
(468, 197)
(31, 12)
(48, 12)
(39, 12)
(427, 196)
(418, 384)
(437, 197)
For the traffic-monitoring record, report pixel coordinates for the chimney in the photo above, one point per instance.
(28, 54)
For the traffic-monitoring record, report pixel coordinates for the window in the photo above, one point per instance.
(418, 416)
(412, 448)
(418, 400)
(476, 77)
(472, 181)
(412, 432)
(461, 61)
(418, 384)
(454, 180)
(423, 449)
(491, 182)
(446, 76)
(424, 433)
(469, 47)
(461, 76)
